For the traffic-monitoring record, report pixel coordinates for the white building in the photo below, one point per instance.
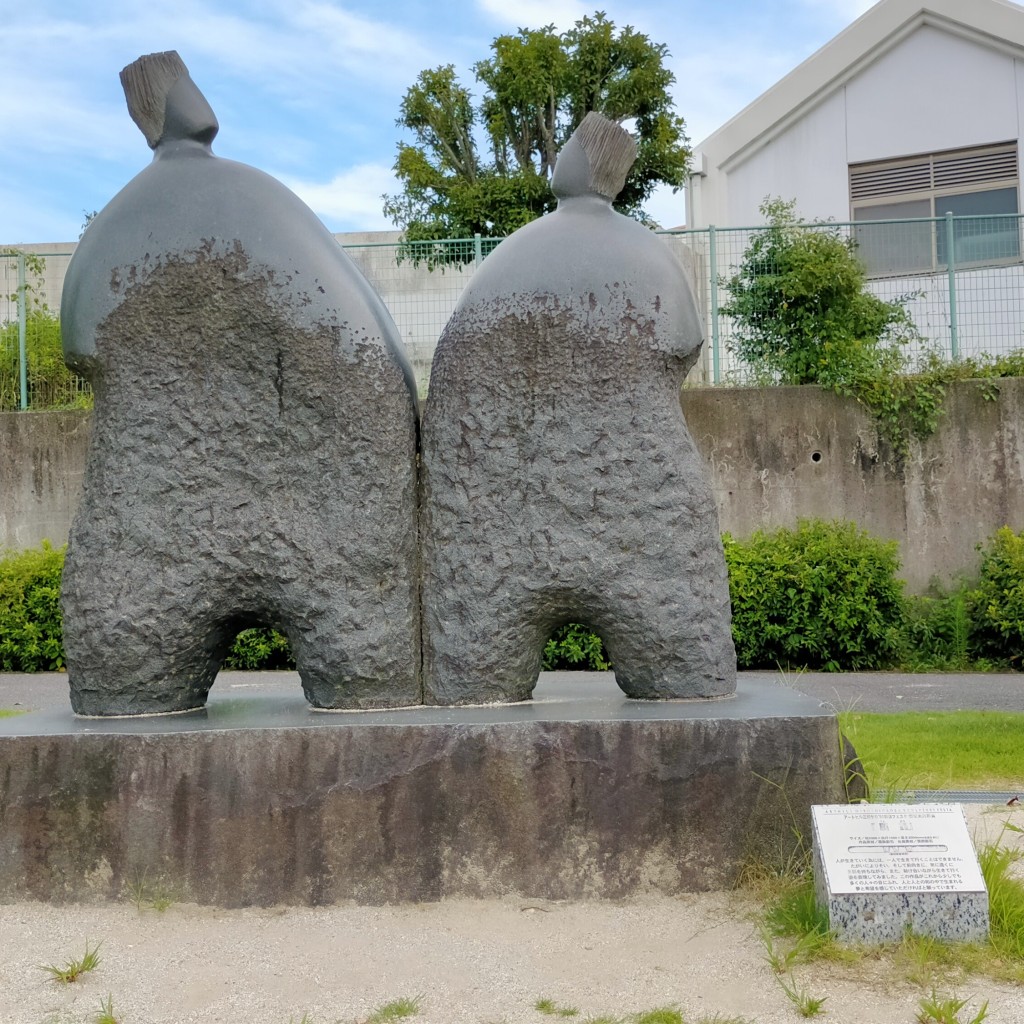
(914, 111)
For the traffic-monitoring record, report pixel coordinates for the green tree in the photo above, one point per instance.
(800, 311)
(485, 167)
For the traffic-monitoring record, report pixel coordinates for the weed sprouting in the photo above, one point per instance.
(552, 1009)
(397, 1009)
(150, 892)
(1005, 897)
(806, 1004)
(719, 1019)
(659, 1015)
(73, 969)
(936, 1009)
(106, 1012)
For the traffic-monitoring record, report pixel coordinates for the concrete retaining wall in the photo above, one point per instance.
(774, 455)
(42, 462)
(780, 454)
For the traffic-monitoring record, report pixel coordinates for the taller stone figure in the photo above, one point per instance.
(560, 481)
(253, 453)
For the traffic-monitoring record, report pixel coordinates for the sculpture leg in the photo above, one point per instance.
(355, 646)
(481, 644)
(669, 629)
(139, 640)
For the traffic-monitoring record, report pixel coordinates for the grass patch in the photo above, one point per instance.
(150, 892)
(794, 931)
(1005, 901)
(936, 1009)
(71, 970)
(106, 1013)
(938, 749)
(397, 1009)
(552, 1009)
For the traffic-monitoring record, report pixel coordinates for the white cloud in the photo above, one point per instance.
(563, 14)
(351, 200)
(58, 120)
(716, 79)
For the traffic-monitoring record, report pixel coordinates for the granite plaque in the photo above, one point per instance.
(884, 869)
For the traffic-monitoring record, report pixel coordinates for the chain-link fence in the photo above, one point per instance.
(420, 282)
(960, 278)
(32, 370)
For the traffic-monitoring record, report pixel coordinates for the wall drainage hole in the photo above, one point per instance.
(815, 456)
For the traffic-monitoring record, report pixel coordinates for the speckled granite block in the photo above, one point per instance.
(881, 870)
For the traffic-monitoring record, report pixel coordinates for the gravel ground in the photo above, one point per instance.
(482, 962)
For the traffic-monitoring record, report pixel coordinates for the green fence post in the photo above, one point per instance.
(478, 250)
(22, 357)
(954, 340)
(716, 369)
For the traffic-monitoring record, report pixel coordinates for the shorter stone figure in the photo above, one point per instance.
(560, 481)
(253, 454)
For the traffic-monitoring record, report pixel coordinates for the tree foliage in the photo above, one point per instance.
(51, 385)
(484, 167)
(799, 306)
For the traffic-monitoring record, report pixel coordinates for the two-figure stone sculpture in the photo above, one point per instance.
(255, 446)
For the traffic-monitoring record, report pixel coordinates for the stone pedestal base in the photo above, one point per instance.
(580, 793)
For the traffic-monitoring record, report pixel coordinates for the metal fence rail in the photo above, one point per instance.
(962, 279)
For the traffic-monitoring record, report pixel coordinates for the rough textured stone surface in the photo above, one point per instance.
(253, 451)
(560, 481)
(568, 798)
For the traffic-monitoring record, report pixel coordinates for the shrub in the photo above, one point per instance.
(31, 633)
(50, 384)
(259, 648)
(998, 603)
(575, 648)
(800, 310)
(936, 632)
(801, 315)
(822, 596)
(30, 622)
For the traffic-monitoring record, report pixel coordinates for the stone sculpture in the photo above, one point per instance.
(560, 481)
(253, 454)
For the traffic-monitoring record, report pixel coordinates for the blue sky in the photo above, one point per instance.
(309, 90)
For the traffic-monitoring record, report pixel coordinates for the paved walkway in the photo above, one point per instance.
(863, 691)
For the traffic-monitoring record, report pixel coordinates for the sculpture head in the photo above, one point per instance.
(595, 160)
(164, 101)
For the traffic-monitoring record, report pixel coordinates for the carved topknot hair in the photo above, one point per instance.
(146, 82)
(610, 151)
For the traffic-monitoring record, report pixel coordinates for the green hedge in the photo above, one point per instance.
(820, 596)
(997, 613)
(30, 625)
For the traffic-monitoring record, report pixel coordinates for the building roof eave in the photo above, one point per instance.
(998, 24)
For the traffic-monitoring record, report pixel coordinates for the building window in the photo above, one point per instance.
(980, 184)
